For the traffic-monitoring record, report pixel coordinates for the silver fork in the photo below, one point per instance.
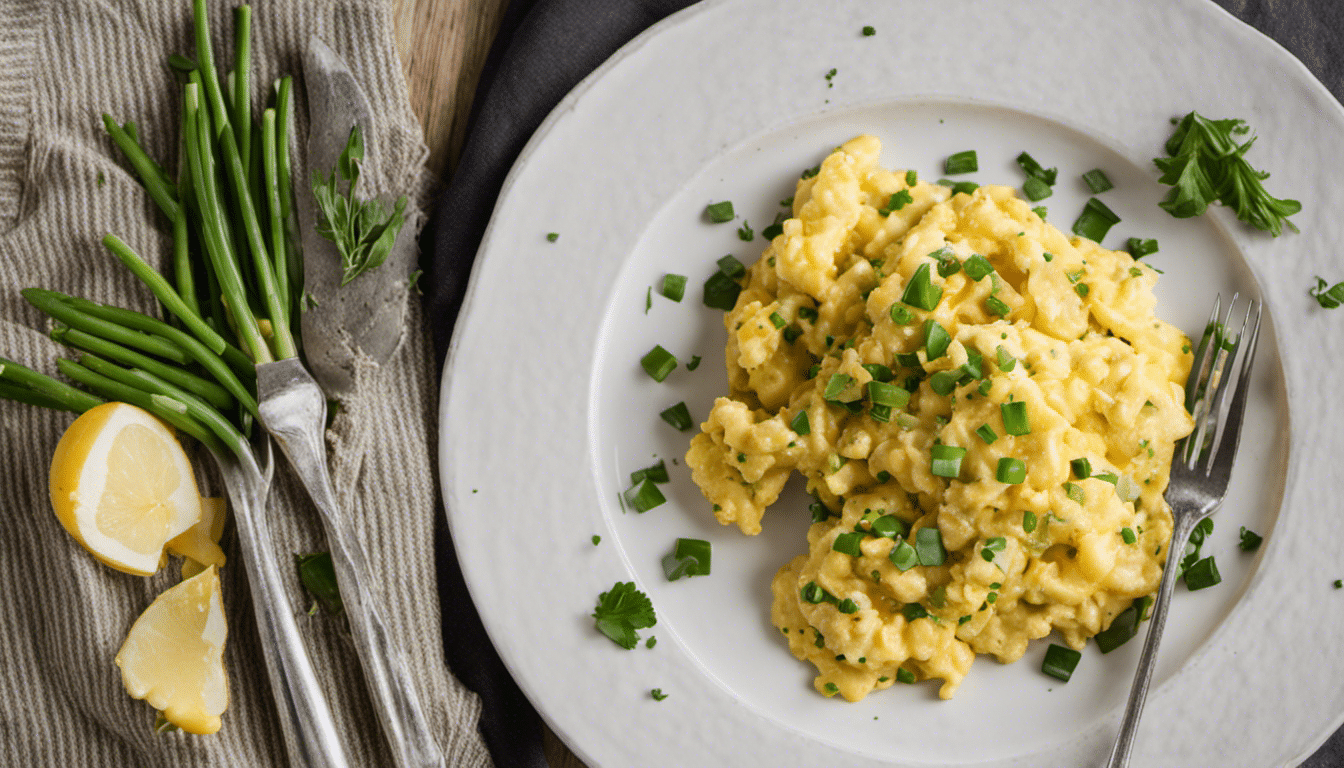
(310, 732)
(1200, 472)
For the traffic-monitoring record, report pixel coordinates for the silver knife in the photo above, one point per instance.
(364, 318)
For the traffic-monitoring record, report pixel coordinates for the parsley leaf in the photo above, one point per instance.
(1207, 164)
(363, 230)
(1330, 297)
(623, 610)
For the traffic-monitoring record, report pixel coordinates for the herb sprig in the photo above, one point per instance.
(621, 611)
(363, 230)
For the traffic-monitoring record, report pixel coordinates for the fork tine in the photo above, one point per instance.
(1209, 403)
(1227, 380)
(1197, 381)
(1230, 434)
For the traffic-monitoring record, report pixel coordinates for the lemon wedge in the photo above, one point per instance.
(122, 486)
(199, 544)
(173, 656)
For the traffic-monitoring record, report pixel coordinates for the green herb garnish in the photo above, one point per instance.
(689, 557)
(673, 286)
(621, 611)
(1060, 662)
(363, 230)
(1097, 181)
(678, 416)
(658, 363)
(720, 212)
(961, 162)
(1095, 220)
(318, 576)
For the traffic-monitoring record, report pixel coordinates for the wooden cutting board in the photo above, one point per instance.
(443, 44)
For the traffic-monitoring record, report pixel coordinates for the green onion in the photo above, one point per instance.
(596, 539)
(29, 386)
(1082, 468)
(960, 187)
(1250, 541)
(792, 333)
(847, 606)
(551, 237)
(887, 526)
(914, 612)
(1202, 575)
(658, 363)
(673, 286)
(776, 228)
(689, 557)
(656, 693)
(1011, 471)
(1123, 627)
(945, 382)
(644, 496)
(1015, 420)
(900, 315)
(1040, 211)
(887, 394)
(211, 392)
(1028, 521)
(869, 31)
(745, 232)
(1060, 662)
(946, 460)
(1109, 477)
(1005, 361)
(977, 267)
(819, 511)
(678, 416)
(1095, 220)
(730, 266)
(936, 339)
(721, 292)
(898, 201)
(929, 546)
(903, 556)
(1097, 182)
(878, 371)
(695, 363)
(656, 473)
(1081, 289)
(1128, 535)
(848, 543)
(904, 675)
(778, 320)
(961, 162)
(997, 306)
(720, 212)
(1138, 248)
(1075, 492)
(985, 387)
(986, 433)
(920, 292)
(838, 383)
(1035, 189)
(1048, 256)
(1033, 169)
(992, 547)
(807, 313)
(812, 593)
(800, 424)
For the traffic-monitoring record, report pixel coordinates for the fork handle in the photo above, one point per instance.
(1182, 527)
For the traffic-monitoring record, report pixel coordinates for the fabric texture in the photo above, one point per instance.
(544, 48)
(63, 185)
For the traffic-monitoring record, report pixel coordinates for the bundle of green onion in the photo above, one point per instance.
(236, 270)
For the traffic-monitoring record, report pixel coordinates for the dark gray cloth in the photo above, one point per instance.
(544, 48)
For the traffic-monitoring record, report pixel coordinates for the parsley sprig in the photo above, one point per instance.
(1207, 164)
(623, 610)
(363, 230)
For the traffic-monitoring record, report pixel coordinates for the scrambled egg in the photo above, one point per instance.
(983, 407)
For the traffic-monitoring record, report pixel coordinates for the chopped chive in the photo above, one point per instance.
(1123, 627)
(778, 320)
(678, 416)
(929, 546)
(887, 526)
(1095, 220)
(1202, 575)
(673, 286)
(1028, 521)
(689, 557)
(658, 363)
(920, 292)
(898, 200)
(948, 267)
(694, 363)
(810, 172)
(986, 433)
(936, 339)
(1040, 211)
(838, 383)
(552, 236)
(992, 547)
(904, 675)
(800, 424)
(657, 693)
(997, 306)
(878, 371)
(1128, 535)
(985, 387)
(777, 227)
(644, 496)
(911, 178)
(807, 313)
(869, 31)
(1015, 420)
(914, 612)
(1011, 471)
(792, 333)
(1081, 289)
(1035, 189)
(1060, 662)
(1138, 248)
(900, 315)
(812, 593)
(596, 539)
(848, 543)
(730, 266)
(1005, 361)
(648, 299)
(1034, 169)
(1082, 468)
(657, 473)
(945, 382)
(1075, 492)
(903, 556)
(1109, 477)
(721, 292)
(889, 395)
(960, 187)
(961, 162)
(1250, 541)
(1048, 256)
(745, 232)
(1097, 181)
(720, 212)
(946, 460)
(977, 267)
(847, 606)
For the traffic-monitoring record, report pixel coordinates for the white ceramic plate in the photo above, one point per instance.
(545, 409)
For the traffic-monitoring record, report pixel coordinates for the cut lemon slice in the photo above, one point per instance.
(122, 486)
(199, 544)
(173, 656)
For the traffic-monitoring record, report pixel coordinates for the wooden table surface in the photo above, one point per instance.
(443, 44)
